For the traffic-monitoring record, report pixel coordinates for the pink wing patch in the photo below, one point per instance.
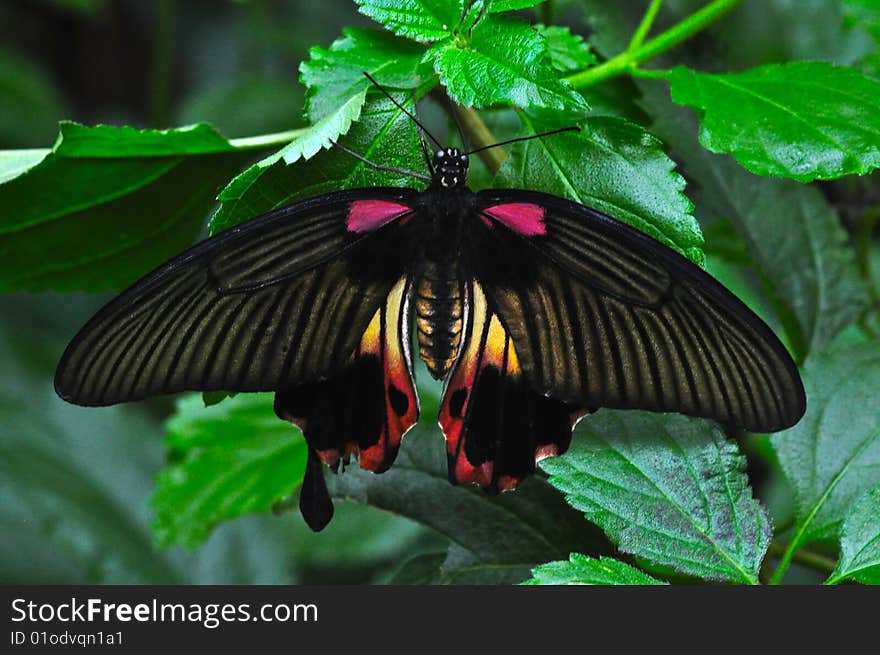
(524, 218)
(369, 215)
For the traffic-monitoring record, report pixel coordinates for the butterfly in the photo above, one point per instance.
(534, 310)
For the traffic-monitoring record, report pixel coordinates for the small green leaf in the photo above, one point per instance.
(383, 134)
(321, 134)
(229, 460)
(860, 542)
(667, 488)
(580, 569)
(794, 237)
(498, 6)
(832, 457)
(138, 196)
(422, 20)
(804, 120)
(505, 60)
(614, 166)
(568, 52)
(335, 75)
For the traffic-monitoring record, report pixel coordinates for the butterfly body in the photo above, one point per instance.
(533, 309)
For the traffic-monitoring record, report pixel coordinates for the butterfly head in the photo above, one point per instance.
(450, 168)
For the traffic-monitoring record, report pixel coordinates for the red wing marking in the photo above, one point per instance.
(369, 215)
(388, 338)
(525, 218)
(496, 425)
(364, 409)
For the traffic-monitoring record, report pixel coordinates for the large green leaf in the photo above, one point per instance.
(502, 536)
(804, 120)
(228, 460)
(106, 204)
(614, 166)
(580, 569)
(421, 20)
(667, 488)
(793, 236)
(832, 456)
(383, 134)
(860, 542)
(505, 60)
(335, 75)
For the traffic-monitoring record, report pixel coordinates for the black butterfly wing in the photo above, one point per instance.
(604, 316)
(284, 297)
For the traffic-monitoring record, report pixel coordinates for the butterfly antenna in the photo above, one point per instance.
(403, 109)
(571, 128)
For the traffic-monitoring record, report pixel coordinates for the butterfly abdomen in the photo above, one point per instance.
(439, 305)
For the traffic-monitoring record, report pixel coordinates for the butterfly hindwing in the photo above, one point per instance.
(496, 425)
(282, 298)
(604, 316)
(366, 407)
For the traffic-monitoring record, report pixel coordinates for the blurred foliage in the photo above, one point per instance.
(673, 497)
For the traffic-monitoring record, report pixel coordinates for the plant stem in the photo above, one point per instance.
(802, 556)
(479, 136)
(645, 26)
(631, 58)
(267, 140)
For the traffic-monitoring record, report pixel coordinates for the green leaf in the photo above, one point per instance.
(229, 460)
(383, 134)
(422, 20)
(498, 6)
(510, 533)
(860, 542)
(505, 60)
(107, 204)
(580, 569)
(667, 488)
(614, 166)
(568, 52)
(793, 236)
(336, 75)
(832, 457)
(805, 120)
(308, 141)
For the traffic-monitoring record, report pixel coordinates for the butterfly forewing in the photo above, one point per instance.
(603, 316)
(284, 297)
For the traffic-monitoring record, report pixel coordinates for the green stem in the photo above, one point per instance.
(479, 136)
(803, 556)
(631, 58)
(267, 140)
(645, 26)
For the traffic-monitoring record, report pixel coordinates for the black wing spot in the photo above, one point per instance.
(456, 402)
(399, 401)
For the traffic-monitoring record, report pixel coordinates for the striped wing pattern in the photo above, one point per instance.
(604, 316)
(282, 297)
